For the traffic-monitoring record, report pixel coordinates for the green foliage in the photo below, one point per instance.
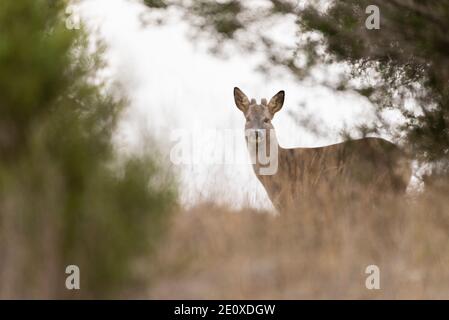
(159, 4)
(65, 196)
(221, 17)
(409, 53)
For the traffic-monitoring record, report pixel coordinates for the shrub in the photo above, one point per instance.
(66, 196)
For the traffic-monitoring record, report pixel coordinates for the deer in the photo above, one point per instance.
(373, 165)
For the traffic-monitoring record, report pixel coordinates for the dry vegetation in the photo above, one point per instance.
(318, 250)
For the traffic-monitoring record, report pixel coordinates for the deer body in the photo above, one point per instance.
(370, 164)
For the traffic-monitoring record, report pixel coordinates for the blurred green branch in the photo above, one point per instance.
(66, 197)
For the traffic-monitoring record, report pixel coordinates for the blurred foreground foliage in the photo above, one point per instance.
(401, 67)
(65, 196)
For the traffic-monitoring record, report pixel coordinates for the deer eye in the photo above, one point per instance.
(266, 120)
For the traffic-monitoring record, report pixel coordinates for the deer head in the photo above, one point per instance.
(259, 130)
(258, 116)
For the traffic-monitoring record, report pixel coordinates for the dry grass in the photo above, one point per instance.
(318, 250)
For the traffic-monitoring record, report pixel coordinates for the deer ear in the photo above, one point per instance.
(241, 100)
(276, 102)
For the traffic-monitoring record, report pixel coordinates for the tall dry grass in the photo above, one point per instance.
(319, 249)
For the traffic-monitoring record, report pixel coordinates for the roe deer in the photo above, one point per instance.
(373, 165)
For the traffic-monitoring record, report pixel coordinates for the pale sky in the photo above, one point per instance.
(175, 84)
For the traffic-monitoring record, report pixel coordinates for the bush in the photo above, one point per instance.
(66, 196)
